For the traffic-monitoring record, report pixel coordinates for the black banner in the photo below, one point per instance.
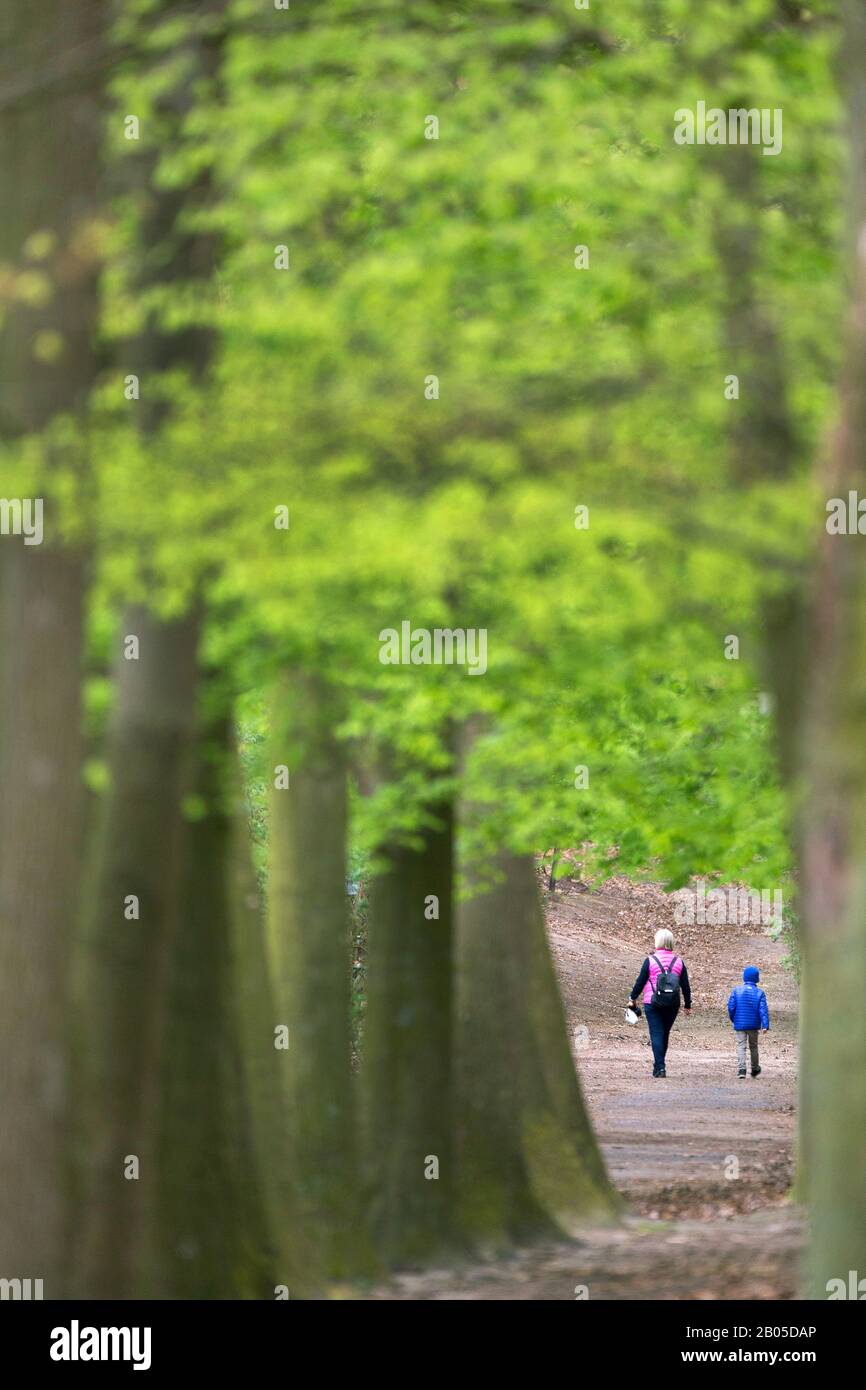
(156, 1339)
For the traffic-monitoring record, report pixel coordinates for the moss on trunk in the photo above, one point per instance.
(211, 1220)
(309, 941)
(407, 1047)
(528, 1159)
(288, 1259)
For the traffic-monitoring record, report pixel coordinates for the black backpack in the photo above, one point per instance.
(667, 987)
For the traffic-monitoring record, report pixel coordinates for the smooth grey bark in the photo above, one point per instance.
(50, 168)
(309, 944)
(288, 1255)
(210, 1216)
(407, 1065)
(144, 837)
(125, 970)
(40, 799)
(833, 805)
(528, 1159)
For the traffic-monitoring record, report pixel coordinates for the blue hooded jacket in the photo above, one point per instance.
(747, 1006)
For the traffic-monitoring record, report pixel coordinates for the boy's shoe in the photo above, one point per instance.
(756, 1071)
(661, 1072)
(742, 1072)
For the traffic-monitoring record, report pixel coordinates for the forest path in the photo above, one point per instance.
(691, 1231)
(670, 1145)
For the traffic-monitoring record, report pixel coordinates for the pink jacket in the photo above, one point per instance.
(665, 957)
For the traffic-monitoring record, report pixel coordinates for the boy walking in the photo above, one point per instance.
(747, 1010)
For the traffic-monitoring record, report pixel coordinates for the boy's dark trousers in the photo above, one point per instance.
(752, 1035)
(660, 1022)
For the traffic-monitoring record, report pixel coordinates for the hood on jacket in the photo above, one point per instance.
(751, 974)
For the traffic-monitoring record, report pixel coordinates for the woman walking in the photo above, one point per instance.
(662, 976)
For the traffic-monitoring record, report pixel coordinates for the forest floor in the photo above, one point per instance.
(690, 1230)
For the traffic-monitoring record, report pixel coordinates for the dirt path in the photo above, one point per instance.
(703, 1159)
(670, 1146)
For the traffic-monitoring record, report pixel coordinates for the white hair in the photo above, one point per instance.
(664, 939)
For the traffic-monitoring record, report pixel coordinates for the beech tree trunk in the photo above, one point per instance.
(288, 1255)
(528, 1159)
(138, 867)
(212, 1231)
(151, 756)
(833, 814)
(407, 1064)
(765, 447)
(309, 941)
(49, 166)
(40, 785)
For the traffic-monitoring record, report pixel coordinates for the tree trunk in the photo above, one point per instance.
(49, 155)
(764, 439)
(493, 948)
(528, 1159)
(39, 859)
(288, 1254)
(309, 939)
(833, 889)
(407, 1047)
(125, 969)
(833, 818)
(150, 751)
(766, 448)
(211, 1222)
